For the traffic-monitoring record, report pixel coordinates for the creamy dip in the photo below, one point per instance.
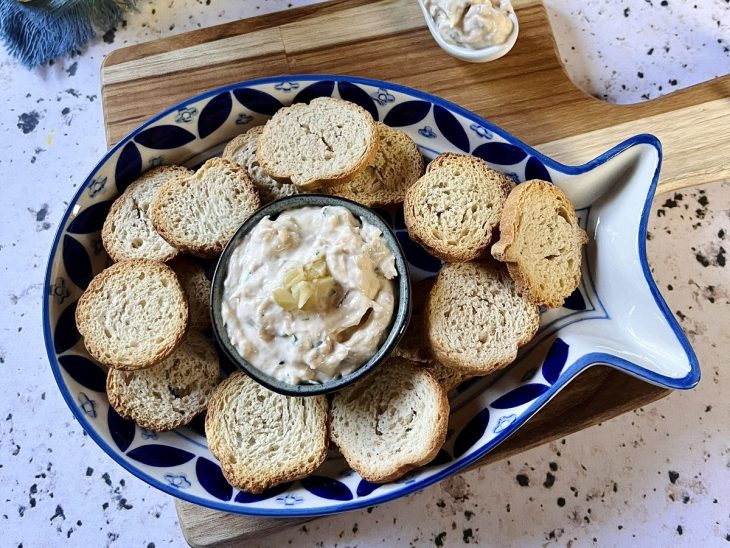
(474, 24)
(308, 297)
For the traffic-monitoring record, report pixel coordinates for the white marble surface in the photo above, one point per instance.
(659, 475)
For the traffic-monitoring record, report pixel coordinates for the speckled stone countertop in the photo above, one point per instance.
(658, 475)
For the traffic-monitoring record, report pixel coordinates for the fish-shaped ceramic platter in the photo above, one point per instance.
(616, 316)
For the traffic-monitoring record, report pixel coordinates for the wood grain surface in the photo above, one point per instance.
(527, 93)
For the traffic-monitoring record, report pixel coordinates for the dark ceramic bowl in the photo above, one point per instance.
(402, 292)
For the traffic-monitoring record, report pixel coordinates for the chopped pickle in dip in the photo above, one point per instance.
(309, 296)
(305, 285)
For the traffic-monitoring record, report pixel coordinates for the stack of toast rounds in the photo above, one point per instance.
(507, 251)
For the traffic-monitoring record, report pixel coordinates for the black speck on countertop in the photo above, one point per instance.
(109, 36)
(439, 540)
(467, 535)
(673, 476)
(679, 530)
(28, 121)
(561, 501)
(720, 257)
(549, 480)
(59, 513)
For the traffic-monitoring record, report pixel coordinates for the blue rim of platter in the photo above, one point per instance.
(567, 374)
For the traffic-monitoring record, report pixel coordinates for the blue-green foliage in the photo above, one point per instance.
(38, 31)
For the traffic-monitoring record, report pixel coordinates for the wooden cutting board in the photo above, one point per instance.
(527, 92)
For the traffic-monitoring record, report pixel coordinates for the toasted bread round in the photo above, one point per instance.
(128, 232)
(242, 150)
(322, 143)
(170, 393)
(133, 314)
(384, 181)
(476, 319)
(541, 242)
(196, 286)
(446, 376)
(413, 345)
(262, 438)
(391, 422)
(198, 214)
(454, 208)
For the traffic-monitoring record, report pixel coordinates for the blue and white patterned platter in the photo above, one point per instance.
(616, 317)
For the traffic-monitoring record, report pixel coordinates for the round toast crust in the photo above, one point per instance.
(268, 135)
(84, 316)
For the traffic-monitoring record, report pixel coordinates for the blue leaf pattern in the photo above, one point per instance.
(65, 335)
(164, 137)
(318, 89)
(500, 153)
(212, 479)
(160, 455)
(77, 262)
(129, 166)
(121, 430)
(520, 396)
(214, 114)
(326, 488)
(416, 255)
(407, 113)
(555, 361)
(85, 372)
(535, 170)
(471, 433)
(441, 458)
(355, 94)
(90, 219)
(385, 215)
(258, 101)
(246, 498)
(451, 128)
(197, 425)
(364, 488)
(575, 301)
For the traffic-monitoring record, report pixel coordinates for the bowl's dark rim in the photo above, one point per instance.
(688, 381)
(396, 327)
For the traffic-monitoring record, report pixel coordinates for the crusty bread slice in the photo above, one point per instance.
(476, 319)
(391, 422)
(446, 376)
(262, 438)
(128, 232)
(321, 143)
(133, 314)
(541, 242)
(169, 394)
(196, 286)
(200, 213)
(453, 209)
(384, 181)
(413, 345)
(242, 150)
